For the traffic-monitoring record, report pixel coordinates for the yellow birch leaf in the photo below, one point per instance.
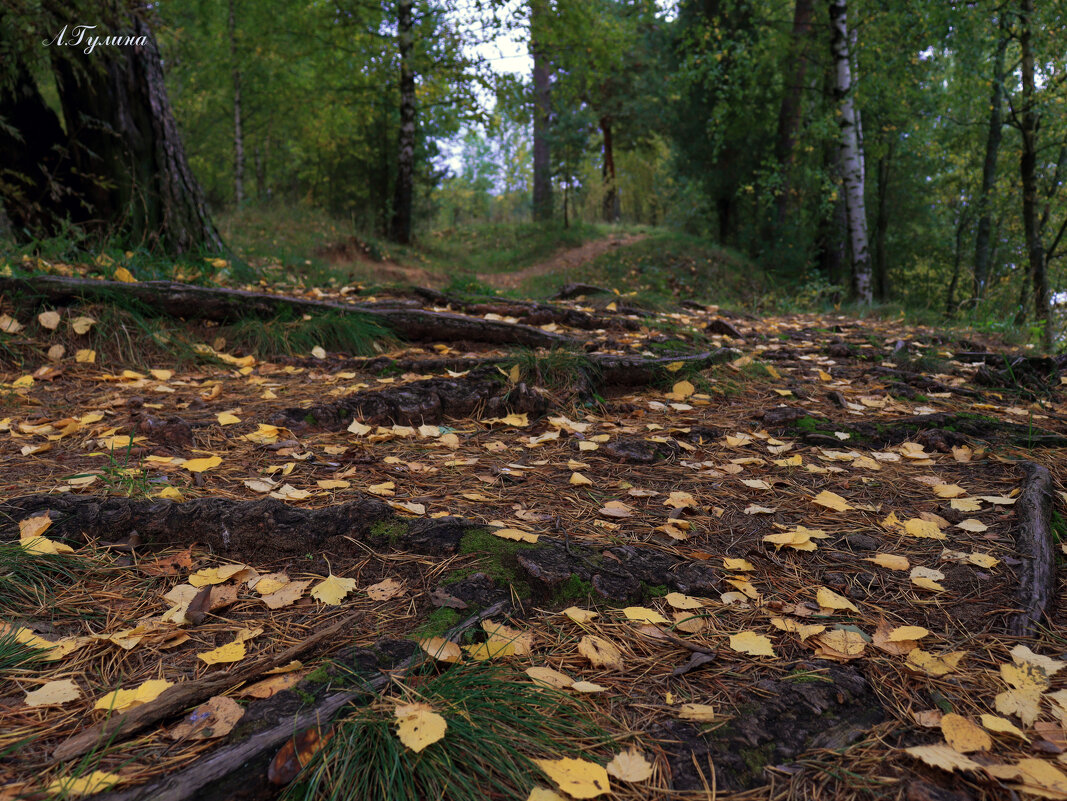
(515, 534)
(902, 633)
(54, 693)
(630, 766)
(890, 560)
(578, 778)
(943, 756)
(82, 325)
(287, 595)
(644, 615)
(587, 687)
(924, 529)
(972, 525)
(200, 465)
(125, 276)
(999, 725)
(579, 615)
(124, 699)
(578, 480)
(49, 320)
(441, 649)
(600, 652)
(547, 677)
(77, 786)
(227, 418)
(832, 501)
(385, 590)
(828, 599)
(419, 726)
(751, 643)
(680, 601)
(963, 735)
(333, 589)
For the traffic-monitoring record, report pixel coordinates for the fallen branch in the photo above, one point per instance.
(183, 695)
(1033, 536)
(190, 783)
(226, 305)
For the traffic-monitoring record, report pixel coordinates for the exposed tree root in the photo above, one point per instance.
(226, 305)
(1037, 580)
(431, 400)
(940, 431)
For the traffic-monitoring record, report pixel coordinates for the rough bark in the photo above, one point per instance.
(1035, 248)
(982, 242)
(790, 111)
(542, 108)
(238, 132)
(136, 182)
(403, 198)
(222, 305)
(851, 155)
(1037, 580)
(611, 196)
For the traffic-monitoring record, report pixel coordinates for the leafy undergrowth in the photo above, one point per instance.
(855, 644)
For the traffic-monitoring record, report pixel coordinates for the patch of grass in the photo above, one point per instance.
(498, 247)
(557, 370)
(497, 721)
(120, 478)
(390, 529)
(29, 581)
(14, 654)
(354, 334)
(573, 589)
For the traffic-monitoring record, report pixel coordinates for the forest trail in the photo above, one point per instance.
(564, 260)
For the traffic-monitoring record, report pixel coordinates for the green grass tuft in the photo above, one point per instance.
(15, 655)
(557, 370)
(354, 334)
(28, 581)
(497, 721)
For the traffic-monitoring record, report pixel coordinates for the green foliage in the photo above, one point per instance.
(16, 655)
(558, 369)
(497, 720)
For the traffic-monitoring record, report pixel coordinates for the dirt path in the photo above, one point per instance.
(561, 262)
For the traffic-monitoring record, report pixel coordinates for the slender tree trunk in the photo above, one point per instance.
(851, 156)
(542, 157)
(238, 135)
(982, 249)
(881, 226)
(610, 205)
(1027, 170)
(400, 228)
(789, 113)
(957, 261)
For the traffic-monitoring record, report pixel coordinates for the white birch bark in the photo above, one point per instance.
(852, 177)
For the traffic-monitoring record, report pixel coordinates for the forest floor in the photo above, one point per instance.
(682, 553)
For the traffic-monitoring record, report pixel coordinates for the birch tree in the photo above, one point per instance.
(852, 173)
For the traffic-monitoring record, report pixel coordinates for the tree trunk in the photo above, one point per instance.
(1027, 169)
(400, 228)
(38, 191)
(982, 248)
(135, 181)
(881, 226)
(611, 197)
(851, 156)
(789, 113)
(238, 135)
(542, 162)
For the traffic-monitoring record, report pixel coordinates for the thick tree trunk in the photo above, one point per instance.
(36, 185)
(238, 134)
(789, 113)
(542, 161)
(982, 244)
(1028, 172)
(851, 156)
(124, 144)
(611, 195)
(400, 227)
